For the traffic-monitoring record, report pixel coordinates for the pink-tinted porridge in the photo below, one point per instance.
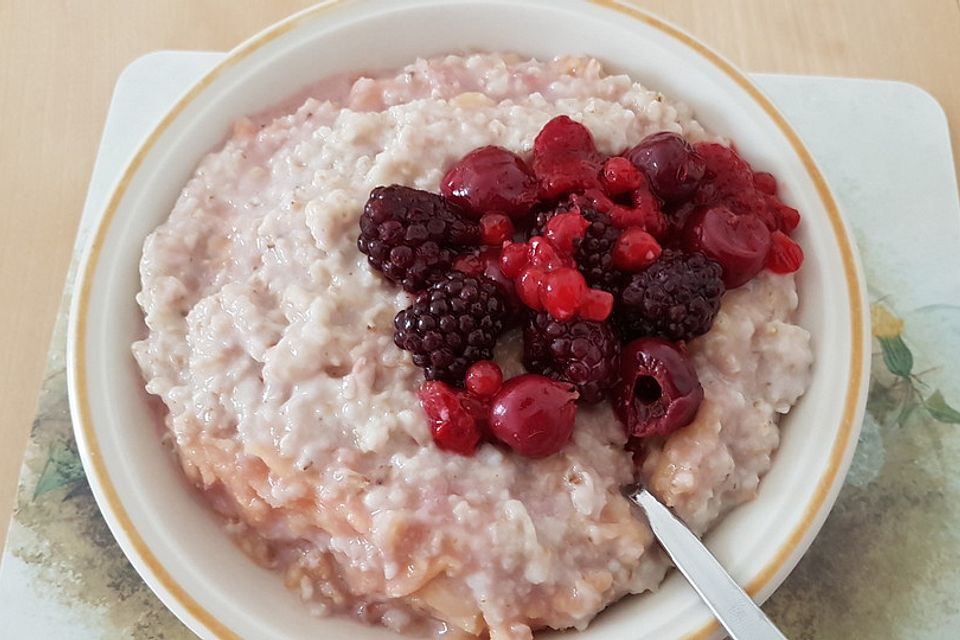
(270, 341)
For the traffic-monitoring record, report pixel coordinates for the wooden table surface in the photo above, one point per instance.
(59, 61)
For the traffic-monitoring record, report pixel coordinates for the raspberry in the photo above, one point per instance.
(785, 255)
(534, 415)
(676, 297)
(635, 250)
(412, 236)
(451, 325)
(456, 420)
(484, 378)
(565, 158)
(583, 353)
(643, 211)
(495, 229)
(491, 179)
(765, 182)
(659, 390)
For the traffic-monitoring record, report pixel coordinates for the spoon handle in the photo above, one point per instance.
(739, 615)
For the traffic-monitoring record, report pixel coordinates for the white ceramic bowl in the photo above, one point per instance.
(174, 540)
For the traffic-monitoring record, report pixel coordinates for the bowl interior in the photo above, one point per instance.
(172, 537)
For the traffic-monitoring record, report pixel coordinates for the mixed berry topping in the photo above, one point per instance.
(411, 236)
(451, 325)
(609, 263)
(677, 297)
(590, 236)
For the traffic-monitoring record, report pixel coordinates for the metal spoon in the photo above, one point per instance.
(738, 614)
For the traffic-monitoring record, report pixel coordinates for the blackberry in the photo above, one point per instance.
(677, 297)
(594, 252)
(581, 352)
(412, 236)
(451, 325)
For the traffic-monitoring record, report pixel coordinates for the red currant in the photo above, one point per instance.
(562, 292)
(544, 254)
(635, 250)
(564, 229)
(513, 258)
(528, 286)
(495, 229)
(484, 378)
(597, 305)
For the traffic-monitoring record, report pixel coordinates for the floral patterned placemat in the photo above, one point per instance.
(887, 562)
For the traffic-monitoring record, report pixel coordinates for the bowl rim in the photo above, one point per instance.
(107, 497)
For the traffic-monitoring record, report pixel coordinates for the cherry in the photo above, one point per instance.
(562, 291)
(565, 158)
(456, 419)
(484, 378)
(534, 415)
(785, 255)
(739, 243)
(635, 250)
(673, 167)
(491, 179)
(597, 305)
(495, 229)
(659, 390)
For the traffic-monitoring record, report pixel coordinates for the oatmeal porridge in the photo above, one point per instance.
(291, 363)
